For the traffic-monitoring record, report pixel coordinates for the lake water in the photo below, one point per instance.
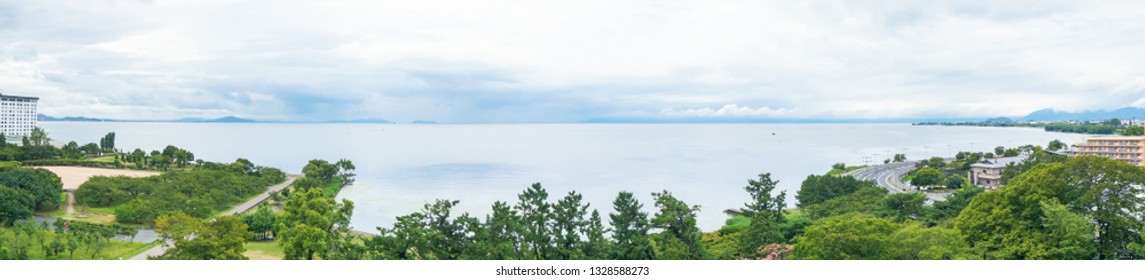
(401, 167)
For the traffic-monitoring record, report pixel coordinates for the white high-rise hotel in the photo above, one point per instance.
(17, 115)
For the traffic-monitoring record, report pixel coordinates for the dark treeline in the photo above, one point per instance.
(36, 150)
(1110, 126)
(1090, 128)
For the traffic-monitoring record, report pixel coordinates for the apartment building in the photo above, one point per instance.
(1129, 149)
(17, 115)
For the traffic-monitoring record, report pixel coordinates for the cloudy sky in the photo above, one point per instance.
(569, 61)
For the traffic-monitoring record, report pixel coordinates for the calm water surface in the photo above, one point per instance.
(401, 167)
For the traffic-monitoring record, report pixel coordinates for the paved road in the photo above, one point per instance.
(158, 250)
(890, 176)
(261, 197)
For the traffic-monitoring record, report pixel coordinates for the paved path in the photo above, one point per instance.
(260, 197)
(890, 176)
(158, 250)
(71, 203)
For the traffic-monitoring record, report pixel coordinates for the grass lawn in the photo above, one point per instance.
(107, 159)
(54, 213)
(331, 189)
(139, 250)
(838, 172)
(93, 215)
(263, 250)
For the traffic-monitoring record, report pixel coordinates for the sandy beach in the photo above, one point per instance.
(73, 177)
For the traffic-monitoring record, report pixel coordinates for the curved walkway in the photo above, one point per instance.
(243, 207)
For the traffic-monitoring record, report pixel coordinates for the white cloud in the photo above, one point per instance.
(489, 60)
(729, 110)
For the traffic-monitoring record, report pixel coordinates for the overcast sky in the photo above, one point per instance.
(544, 61)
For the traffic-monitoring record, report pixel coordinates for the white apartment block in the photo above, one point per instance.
(1129, 149)
(17, 115)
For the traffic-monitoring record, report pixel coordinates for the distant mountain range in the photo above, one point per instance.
(227, 119)
(1125, 113)
(1055, 115)
(46, 118)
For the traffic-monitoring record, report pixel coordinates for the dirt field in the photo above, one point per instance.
(73, 177)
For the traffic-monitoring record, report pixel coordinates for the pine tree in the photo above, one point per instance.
(629, 230)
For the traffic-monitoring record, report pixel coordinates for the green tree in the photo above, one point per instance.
(176, 227)
(1013, 170)
(926, 176)
(15, 205)
(535, 213)
(766, 213)
(567, 224)
(219, 239)
(816, 188)
(1112, 195)
(1135, 130)
(1070, 234)
(321, 170)
(71, 150)
(954, 203)
(310, 224)
(44, 186)
(917, 242)
(794, 226)
(1055, 145)
(1139, 247)
(848, 237)
(499, 238)
(38, 137)
(900, 158)
(107, 143)
(680, 238)
(91, 149)
(405, 241)
(954, 181)
(1008, 223)
(630, 229)
(346, 171)
(1012, 152)
(864, 200)
(900, 207)
(596, 246)
(260, 223)
(936, 163)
